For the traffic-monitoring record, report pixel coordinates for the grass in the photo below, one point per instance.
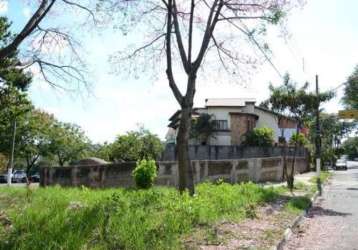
(157, 218)
(81, 218)
(297, 204)
(324, 175)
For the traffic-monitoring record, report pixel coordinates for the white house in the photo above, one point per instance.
(234, 117)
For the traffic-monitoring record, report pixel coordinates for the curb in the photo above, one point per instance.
(288, 232)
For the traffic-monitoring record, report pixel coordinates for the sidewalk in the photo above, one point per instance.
(304, 178)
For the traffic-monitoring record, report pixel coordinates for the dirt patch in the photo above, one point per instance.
(261, 232)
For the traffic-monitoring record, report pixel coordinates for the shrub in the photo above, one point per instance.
(259, 137)
(145, 173)
(300, 138)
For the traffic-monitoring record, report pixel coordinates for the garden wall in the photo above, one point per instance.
(219, 152)
(120, 175)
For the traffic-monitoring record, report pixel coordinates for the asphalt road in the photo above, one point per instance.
(332, 222)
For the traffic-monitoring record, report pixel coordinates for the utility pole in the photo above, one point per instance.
(11, 166)
(318, 141)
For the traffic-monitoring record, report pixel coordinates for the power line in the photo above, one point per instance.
(246, 31)
(339, 86)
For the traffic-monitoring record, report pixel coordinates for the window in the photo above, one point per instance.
(250, 125)
(221, 125)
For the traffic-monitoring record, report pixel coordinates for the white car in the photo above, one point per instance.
(341, 164)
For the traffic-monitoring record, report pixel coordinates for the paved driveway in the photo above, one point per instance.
(332, 223)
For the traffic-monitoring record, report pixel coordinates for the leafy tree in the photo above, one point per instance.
(350, 98)
(67, 142)
(259, 137)
(298, 103)
(10, 75)
(3, 162)
(350, 147)
(34, 137)
(102, 151)
(202, 128)
(13, 107)
(136, 145)
(332, 133)
(218, 25)
(13, 101)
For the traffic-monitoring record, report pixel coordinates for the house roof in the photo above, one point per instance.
(228, 102)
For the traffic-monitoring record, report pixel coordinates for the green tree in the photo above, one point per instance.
(13, 101)
(13, 107)
(297, 103)
(67, 142)
(10, 75)
(332, 133)
(202, 128)
(34, 137)
(350, 98)
(350, 147)
(102, 151)
(136, 145)
(259, 137)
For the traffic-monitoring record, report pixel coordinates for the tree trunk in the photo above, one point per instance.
(284, 170)
(184, 164)
(291, 178)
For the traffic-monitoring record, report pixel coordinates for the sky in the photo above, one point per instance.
(323, 40)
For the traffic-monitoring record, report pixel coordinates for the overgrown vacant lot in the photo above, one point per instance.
(158, 218)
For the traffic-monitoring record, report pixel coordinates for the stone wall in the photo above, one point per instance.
(120, 175)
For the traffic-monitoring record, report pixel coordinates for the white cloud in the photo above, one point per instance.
(3, 6)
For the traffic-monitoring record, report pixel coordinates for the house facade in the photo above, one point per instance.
(233, 118)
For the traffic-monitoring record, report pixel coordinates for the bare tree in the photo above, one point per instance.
(47, 45)
(185, 32)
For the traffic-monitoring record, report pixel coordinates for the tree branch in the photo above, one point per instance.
(169, 71)
(31, 25)
(179, 38)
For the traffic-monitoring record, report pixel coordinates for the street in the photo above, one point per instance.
(332, 222)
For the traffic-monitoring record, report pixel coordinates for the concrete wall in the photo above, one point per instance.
(215, 152)
(120, 175)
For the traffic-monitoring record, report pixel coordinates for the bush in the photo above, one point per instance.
(300, 138)
(259, 137)
(145, 173)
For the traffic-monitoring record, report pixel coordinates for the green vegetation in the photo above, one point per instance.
(298, 204)
(299, 138)
(157, 218)
(145, 173)
(259, 137)
(350, 98)
(324, 175)
(333, 130)
(350, 147)
(299, 104)
(202, 128)
(135, 145)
